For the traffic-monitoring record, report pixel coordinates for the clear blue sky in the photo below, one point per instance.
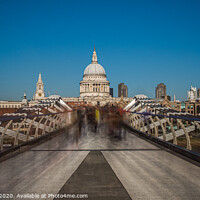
(140, 43)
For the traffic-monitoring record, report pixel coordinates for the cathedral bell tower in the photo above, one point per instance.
(39, 94)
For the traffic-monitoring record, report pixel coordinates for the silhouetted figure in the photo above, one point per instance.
(80, 123)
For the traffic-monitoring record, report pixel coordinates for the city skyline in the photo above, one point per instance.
(139, 46)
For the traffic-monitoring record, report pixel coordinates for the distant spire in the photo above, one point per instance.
(24, 94)
(174, 98)
(40, 78)
(94, 57)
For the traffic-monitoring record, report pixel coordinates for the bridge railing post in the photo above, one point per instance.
(4, 132)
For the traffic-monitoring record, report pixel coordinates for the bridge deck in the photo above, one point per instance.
(137, 169)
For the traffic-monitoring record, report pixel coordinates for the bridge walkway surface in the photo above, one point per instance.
(100, 166)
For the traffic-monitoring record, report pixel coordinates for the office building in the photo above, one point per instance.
(122, 90)
(160, 91)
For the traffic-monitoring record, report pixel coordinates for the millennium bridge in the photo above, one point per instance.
(50, 151)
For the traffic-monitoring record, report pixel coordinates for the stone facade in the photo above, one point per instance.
(97, 100)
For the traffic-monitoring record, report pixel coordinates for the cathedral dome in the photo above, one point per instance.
(94, 68)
